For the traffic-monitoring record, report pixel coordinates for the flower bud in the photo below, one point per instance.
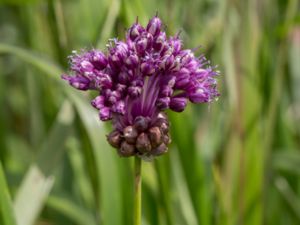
(135, 30)
(198, 96)
(166, 91)
(130, 134)
(134, 91)
(201, 73)
(154, 136)
(114, 139)
(168, 63)
(119, 107)
(104, 81)
(141, 45)
(192, 65)
(121, 88)
(176, 44)
(98, 60)
(186, 56)
(143, 143)
(105, 114)
(79, 82)
(176, 65)
(132, 61)
(115, 61)
(154, 26)
(98, 102)
(114, 97)
(182, 78)
(178, 104)
(118, 54)
(147, 68)
(163, 103)
(126, 149)
(86, 66)
(159, 41)
(123, 77)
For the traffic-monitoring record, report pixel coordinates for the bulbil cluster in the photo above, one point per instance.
(137, 79)
(146, 137)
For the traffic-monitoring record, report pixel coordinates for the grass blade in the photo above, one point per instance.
(70, 210)
(31, 196)
(7, 216)
(39, 180)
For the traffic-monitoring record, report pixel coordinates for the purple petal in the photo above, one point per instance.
(78, 82)
(105, 114)
(154, 26)
(178, 104)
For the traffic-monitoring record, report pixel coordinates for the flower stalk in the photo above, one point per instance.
(137, 216)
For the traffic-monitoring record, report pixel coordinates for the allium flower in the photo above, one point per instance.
(139, 78)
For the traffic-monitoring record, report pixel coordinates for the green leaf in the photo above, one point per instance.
(30, 57)
(71, 210)
(106, 162)
(289, 195)
(31, 195)
(106, 158)
(7, 216)
(39, 179)
(109, 23)
(287, 161)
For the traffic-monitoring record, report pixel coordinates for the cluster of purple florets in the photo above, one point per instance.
(143, 75)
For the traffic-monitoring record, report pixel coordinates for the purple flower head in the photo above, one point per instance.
(136, 80)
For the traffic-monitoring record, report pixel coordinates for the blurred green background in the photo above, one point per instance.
(235, 161)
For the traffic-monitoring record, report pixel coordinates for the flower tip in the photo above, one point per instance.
(154, 26)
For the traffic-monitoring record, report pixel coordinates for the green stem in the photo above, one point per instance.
(137, 191)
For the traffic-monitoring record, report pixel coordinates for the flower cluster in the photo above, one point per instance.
(137, 79)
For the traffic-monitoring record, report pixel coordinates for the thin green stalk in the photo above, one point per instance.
(137, 191)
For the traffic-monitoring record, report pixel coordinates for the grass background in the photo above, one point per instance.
(236, 161)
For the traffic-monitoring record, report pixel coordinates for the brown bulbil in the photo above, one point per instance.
(130, 134)
(143, 143)
(143, 138)
(166, 139)
(114, 139)
(162, 115)
(155, 136)
(126, 149)
(163, 124)
(164, 128)
(161, 149)
(141, 123)
(161, 120)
